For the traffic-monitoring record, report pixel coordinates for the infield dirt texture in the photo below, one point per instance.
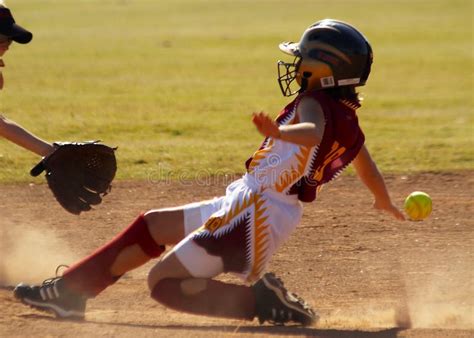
(173, 84)
(365, 273)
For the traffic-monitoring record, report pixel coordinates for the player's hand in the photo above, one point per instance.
(389, 208)
(265, 125)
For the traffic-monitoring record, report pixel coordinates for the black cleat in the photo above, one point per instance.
(52, 296)
(278, 306)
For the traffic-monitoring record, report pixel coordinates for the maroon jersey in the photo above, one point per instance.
(341, 142)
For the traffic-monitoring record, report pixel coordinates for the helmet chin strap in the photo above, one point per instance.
(304, 85)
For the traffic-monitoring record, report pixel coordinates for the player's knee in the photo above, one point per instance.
(152, 217)
(166, 225)
(152, 280)
(168, 267)
(138, 233)
(166, 290)
(155, 275)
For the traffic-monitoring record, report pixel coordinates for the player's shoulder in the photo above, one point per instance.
(309, 103)
(309, 100)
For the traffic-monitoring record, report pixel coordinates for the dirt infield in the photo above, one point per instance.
(366, 274)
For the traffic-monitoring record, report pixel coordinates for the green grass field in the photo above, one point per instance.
(173, 83)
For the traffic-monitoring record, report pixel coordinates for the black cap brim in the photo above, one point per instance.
(19, 34)
(10, 29)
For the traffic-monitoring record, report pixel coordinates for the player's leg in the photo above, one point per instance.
(163, 227)
(137, 244)
(66, 296)
(182, 281)
(166, 227)
(172, 284)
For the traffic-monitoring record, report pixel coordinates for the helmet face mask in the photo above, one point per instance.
(287, 74)
(330, 54)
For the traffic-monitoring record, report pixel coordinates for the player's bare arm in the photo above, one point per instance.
(370, 175)
(308, 132)
(20, 136)
(9, 32)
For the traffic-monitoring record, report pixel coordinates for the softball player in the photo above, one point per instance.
(311, 141)
(10, 31)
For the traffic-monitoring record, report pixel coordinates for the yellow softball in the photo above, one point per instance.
(418, 205)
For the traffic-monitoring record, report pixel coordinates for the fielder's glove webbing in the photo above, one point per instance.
(79, 173)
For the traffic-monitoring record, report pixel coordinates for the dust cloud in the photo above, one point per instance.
(30, 254)
(364, 317)
(443, 297)
(437, 293)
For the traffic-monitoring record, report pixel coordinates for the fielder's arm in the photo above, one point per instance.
(370, 175)
(20, 136)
